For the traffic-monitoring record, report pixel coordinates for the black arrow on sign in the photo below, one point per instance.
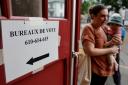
(33, 60)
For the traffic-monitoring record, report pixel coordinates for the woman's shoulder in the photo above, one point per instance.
(87, 27)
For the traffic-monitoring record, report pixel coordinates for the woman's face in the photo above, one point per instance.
(101, 17)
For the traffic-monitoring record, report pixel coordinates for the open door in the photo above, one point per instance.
(48, 12)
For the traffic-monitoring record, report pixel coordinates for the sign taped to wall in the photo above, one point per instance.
(28, 47)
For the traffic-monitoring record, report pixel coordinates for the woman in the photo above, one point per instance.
(93, 40)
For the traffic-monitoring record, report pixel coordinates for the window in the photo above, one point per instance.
(56, 8)
(27, 8)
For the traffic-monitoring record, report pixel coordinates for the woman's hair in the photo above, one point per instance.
(94, 10)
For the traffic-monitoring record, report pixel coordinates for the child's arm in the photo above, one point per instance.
(117, 36)
(109, 43)
(116, 40)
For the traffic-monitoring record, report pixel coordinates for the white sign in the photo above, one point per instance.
(28, 46)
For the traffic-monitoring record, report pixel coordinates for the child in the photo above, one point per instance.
(114, 37)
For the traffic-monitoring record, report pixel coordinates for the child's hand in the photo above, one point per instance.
(116, 40)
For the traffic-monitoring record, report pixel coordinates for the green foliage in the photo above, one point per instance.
(125, 3)
(84, 7)
(116, 4)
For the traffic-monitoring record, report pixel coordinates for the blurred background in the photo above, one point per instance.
(118, 6)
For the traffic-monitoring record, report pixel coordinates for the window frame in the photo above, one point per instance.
(57, 18)
(7, 11)
(4, 13)
(10, 16)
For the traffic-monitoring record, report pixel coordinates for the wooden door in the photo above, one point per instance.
(57, 72)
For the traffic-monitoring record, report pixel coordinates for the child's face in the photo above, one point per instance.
(115, 26)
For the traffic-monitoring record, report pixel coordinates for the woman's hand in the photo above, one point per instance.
(114, 49)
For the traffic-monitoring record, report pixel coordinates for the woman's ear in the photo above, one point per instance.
(92, 16)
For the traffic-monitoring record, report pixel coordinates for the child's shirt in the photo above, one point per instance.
(110, 33)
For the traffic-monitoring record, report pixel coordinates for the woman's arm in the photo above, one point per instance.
(90, 49)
